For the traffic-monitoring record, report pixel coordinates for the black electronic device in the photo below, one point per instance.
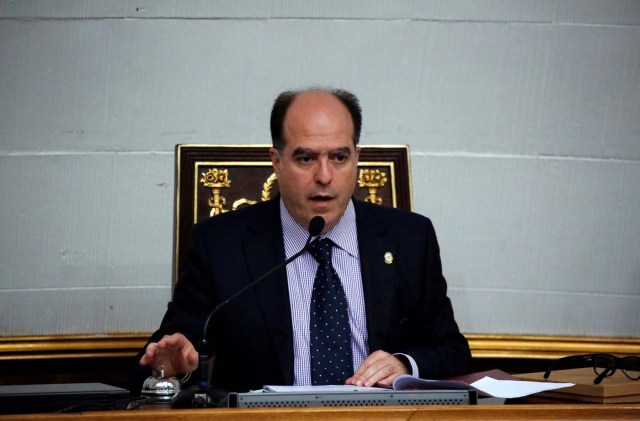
(382, 397)
(61, 397)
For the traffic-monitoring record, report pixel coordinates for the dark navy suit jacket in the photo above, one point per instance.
(406, 301)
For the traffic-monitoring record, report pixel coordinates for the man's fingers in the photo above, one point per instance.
(384, 377)
(175, 341)
(156, 353)
(173, 353)
(380, 367)
(150, 351)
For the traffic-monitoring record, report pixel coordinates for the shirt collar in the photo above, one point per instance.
(343, 234)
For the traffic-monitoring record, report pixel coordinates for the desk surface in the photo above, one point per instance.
(569, 412)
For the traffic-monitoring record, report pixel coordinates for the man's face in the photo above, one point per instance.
(317, 168)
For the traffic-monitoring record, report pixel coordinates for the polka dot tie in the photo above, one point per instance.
(331, 355)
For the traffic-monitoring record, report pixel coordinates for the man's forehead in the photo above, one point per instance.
(317, 111)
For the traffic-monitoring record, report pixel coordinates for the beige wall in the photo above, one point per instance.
(523, 119)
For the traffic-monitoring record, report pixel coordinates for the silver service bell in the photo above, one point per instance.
(160, 389)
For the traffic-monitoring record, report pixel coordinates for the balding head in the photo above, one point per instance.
(283, 103)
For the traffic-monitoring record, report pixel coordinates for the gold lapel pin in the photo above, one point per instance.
(388, 258)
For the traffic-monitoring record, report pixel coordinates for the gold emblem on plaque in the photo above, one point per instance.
(266, 193)
(372, 180)
(216, 179)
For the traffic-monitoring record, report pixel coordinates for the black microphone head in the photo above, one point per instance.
(316, 225)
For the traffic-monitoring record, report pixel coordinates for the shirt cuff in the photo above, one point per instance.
(413, 366)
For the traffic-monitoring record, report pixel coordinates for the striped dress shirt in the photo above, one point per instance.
(300, 276)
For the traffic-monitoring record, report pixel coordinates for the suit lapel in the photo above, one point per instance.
(378, 275)
(265, 250)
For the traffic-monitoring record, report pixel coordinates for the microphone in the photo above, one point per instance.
(201, 395)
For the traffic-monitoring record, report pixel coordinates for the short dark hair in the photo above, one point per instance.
(283, 102)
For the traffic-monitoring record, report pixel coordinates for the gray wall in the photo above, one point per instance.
(523, 119)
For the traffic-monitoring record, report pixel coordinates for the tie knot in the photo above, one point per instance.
(321, 250)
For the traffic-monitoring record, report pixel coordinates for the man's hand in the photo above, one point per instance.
(174, 354)
(379, 368)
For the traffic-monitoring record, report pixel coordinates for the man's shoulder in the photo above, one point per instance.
(385, 220)
(267, 212)
(389, 214)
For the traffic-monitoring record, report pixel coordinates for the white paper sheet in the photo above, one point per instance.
(515, 388)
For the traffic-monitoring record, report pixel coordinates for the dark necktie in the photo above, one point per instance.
(331, 355)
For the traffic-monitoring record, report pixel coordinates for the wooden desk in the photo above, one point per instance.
(569, 412)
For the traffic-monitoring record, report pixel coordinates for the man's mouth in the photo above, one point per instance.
(321, 198)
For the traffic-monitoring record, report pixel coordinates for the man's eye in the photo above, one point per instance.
(340, 157)
(305, 159)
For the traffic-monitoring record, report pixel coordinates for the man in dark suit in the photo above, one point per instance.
(386, 263)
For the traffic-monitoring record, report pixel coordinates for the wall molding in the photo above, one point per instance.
(71, 346)
(482, 346)
(547, 347)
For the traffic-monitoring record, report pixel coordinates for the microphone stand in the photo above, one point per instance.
(203, 394)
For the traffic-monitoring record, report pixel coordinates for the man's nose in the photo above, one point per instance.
(323, 171)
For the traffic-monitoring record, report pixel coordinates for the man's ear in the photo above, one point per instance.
(275, 159)
(357, 153)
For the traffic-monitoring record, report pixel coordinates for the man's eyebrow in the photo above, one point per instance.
(343, 151)
(311, 152)
(304, 151)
